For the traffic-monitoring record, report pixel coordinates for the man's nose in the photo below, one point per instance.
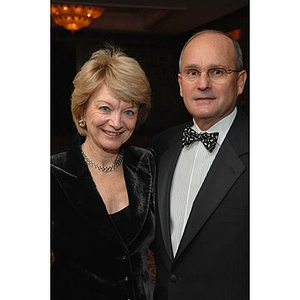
(203, 81)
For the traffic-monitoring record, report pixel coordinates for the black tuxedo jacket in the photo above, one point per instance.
(92, 260)
(212, 262)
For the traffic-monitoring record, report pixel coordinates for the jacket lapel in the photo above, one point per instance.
(166, 170)
(225, 170)
(86, 201)
(140, 183)
(81, 192)
(78, 185)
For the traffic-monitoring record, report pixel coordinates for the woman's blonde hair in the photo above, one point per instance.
(122, 75)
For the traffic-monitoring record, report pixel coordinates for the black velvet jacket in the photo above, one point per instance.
(92, 261)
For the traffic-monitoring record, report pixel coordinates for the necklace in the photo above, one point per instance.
(106, 169)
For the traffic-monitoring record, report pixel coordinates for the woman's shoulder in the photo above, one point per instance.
(59, 159)
(139, 154)
(139, 151)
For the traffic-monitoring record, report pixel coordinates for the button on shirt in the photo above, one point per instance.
(192, 166)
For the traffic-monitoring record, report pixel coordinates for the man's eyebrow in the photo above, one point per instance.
(191, 66)
(195, 66)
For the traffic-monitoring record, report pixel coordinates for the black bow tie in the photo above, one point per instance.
(209, 140)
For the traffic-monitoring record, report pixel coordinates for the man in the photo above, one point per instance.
(202, 230)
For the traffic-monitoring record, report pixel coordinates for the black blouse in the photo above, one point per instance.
(122, 221)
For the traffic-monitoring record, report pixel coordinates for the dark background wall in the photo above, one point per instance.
(158, 55)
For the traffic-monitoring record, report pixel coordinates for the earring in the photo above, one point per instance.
(81, 122)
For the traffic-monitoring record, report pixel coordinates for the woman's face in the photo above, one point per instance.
(109, 121)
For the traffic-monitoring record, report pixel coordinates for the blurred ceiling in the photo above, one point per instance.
(155, 16)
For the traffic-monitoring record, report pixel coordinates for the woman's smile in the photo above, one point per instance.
(112, 133)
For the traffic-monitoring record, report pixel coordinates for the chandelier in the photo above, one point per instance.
(75, 17)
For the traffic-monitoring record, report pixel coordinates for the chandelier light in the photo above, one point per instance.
(75, 17)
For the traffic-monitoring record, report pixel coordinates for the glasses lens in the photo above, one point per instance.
(214, 74)
(217, 74)
(191, 75)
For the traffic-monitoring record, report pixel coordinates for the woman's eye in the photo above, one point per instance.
(104, 108)
(129, 113)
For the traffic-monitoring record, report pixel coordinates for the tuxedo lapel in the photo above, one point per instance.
(166, 170)
(224, 172)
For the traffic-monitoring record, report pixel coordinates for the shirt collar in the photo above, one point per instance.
(222, 126)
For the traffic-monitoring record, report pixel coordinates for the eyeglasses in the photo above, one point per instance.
(217, 75)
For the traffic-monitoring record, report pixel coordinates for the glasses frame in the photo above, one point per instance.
(227, 71)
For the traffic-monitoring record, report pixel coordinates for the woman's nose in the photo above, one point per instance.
(116, 121)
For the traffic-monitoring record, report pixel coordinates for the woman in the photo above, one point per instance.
(102, 200)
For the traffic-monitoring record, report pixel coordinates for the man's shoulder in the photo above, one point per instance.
(238, 134)
(168, 137)
(241, 122)
(170, 132)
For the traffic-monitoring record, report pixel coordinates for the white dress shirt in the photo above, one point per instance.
(191, 169)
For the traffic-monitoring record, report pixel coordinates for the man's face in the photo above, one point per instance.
(207, 101)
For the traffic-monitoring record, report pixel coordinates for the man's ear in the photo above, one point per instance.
(242, 77)
(179, 82)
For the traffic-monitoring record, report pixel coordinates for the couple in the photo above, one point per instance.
(187, 199)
